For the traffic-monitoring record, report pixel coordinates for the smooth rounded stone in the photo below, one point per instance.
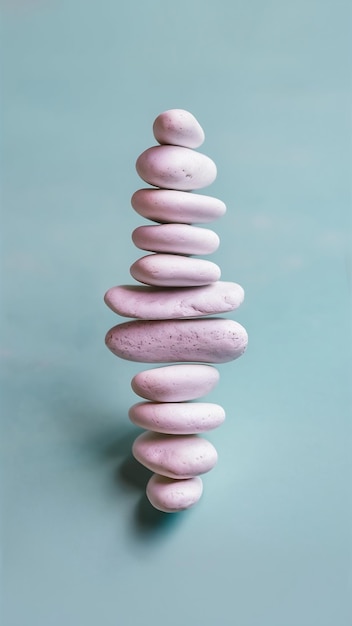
(205, 340)
(155, 303)
(175, 383)
(176, 239)
(168, 206)
(170, 495)
(172, 270)
(178, 128)
(177, 418)
(174, 167)
(175, 456)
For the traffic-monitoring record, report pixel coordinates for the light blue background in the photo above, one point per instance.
(270, 542)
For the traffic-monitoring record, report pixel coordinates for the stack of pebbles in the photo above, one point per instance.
(171, 312)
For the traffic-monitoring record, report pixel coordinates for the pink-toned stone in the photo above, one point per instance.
(177, 418)
(175, 383)
(152, 303)
(174, 167)
(176, 239)
(170, 495)
(205, 340)
(175, 456)
(168, 206)
(174, 270)
(179, 128)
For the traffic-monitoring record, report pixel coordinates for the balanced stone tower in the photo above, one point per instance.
(173, 313)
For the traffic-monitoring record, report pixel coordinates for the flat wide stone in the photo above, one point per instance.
(154, 303)
(205, 340)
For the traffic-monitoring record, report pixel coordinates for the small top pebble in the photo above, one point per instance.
(178, 128)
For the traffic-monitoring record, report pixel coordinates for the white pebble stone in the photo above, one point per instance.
(206, 340)
(175, 383)
(170, 495)
(179, 128)
(172, 270)
(168, 206)
(176, 239)
(175, 456)
(177, 418)
(174, 167)
(154, 303)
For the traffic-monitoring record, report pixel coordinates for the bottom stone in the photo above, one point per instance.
(170, 496)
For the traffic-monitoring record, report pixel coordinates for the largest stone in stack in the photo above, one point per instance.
(171, 311)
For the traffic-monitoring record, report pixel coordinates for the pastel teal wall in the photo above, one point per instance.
(269, 544)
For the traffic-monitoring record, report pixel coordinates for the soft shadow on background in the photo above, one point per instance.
(269, 544)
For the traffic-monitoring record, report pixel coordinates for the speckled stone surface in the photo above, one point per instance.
(210, 340)
(178, 128)
(175, 456)
(170, 495)
(174, 167)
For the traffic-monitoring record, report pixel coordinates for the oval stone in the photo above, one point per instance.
(170, 495)
(205, 340)
(155, 303)
(177, 418)
(175, 383)
(168, 206)
(174, 167)
(175, 456)
(179, 128)
(173, 270)
(176, 239)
